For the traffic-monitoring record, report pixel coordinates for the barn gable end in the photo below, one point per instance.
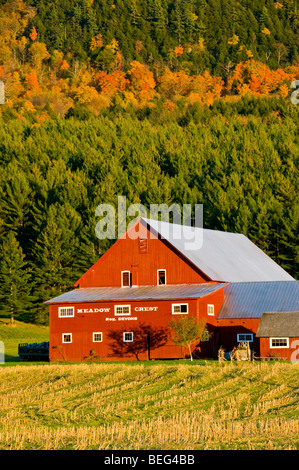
(143, 256)
(187, 254)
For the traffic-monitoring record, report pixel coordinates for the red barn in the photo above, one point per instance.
(122, 305)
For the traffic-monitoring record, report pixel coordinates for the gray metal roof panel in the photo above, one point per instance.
(93, 294)
(222, 256)
(252, 299)
(279, 324)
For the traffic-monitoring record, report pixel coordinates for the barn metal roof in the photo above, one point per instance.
(222, 256)
(279, 324)
(94, 294)
(252, 299)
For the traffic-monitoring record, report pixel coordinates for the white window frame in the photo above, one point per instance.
(127, 340)
(239, 340)
(212, 309)
(97, 340)
(65, 316)
(179, 313)
(122, 281)
(279, 347)
(122, 314)
(67, 342)
(158, 270)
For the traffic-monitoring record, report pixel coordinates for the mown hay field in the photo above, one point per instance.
(153, 406)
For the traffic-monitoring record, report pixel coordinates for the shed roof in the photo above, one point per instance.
(222, 256)
(94, 294)
(279, 324)
(252, 299)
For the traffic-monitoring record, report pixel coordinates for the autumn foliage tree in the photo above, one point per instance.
(142, 84)
(109, 84)
(258, 79)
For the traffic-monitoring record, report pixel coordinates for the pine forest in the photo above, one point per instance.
(160, 101)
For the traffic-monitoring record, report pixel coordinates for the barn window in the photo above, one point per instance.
(122, 310)
(126, 278)
(179, 309)
(66, 311)
(161, 277)
(210, 309)
(97, 337)
(245, 337)
(128, 337)
(67, 337)
(279, 342)
(142, 245)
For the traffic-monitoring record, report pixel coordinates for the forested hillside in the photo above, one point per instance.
(93, 55)
(214, 34)
(160, 101)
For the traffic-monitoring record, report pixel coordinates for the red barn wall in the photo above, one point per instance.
(228, 329)
(155, 318)
(291, 353)
(126, 255)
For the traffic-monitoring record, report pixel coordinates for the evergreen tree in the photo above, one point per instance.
(15, 277)
(15, 200)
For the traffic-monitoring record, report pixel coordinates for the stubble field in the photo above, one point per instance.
(132, 406)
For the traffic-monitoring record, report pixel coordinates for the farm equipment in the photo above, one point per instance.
(242, 352)
(34, 351)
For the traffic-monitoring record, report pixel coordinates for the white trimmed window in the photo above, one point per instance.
(161, 277)
(248, 337)
(178, 309)
(97, 337)
(128, 337)
(66, 337)
(126, 279)
(122, 310)
(279, 342)
(66, 312)
(210, 309)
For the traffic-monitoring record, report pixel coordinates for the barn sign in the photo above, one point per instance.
(93, 310)
(121, 318)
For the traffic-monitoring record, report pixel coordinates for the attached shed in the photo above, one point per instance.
(279, 335)
(244, 304)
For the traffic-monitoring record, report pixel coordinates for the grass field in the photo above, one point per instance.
(149, 405)
(11, 334)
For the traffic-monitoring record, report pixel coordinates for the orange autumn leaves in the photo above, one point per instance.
(35, 76)
(202, 89)
(255, 78)
(64, 86)
(139, 87)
